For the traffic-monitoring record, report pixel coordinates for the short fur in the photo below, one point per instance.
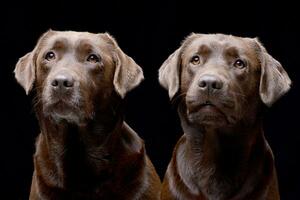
(85, 150)
(221, 84)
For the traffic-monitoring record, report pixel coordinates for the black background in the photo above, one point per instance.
(148, 31)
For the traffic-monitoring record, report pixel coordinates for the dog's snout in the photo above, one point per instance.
(62, 81)
(210, 82)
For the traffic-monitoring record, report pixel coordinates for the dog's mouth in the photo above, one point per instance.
(62, 109)
(207, 104)
(206, 113)
(62, 105)
(203, 107)
(72, 107)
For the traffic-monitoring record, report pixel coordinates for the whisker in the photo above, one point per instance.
(177, 97)
(238, 94)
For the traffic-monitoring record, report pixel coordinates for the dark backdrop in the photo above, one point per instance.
(148, 31)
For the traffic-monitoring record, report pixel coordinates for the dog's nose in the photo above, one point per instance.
(210, 83)
(62, 82)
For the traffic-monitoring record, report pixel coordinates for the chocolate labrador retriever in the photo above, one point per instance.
(221, 84)
(85, 150)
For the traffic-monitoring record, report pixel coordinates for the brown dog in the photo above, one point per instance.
(221, 83)
(85, 150)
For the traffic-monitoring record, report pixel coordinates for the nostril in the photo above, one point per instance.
(210, 82)
(214, 85)
(202, 84)
(68, 83)
(54, 83)
(217, 85)
(62, 82)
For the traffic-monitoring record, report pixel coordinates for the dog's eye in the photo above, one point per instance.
(50, 55)
(93, 58)
(195, 60)
(239, 64)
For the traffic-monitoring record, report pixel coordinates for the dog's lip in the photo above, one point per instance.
(61, 105)
(210, 112)
(207, 103)
(59, 102)
(207, 106)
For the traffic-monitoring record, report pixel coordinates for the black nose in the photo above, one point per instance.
(210, 83)
(62, 82)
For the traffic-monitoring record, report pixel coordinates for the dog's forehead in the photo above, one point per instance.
(74, 39)
(220, 43)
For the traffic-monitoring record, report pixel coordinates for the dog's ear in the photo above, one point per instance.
(168, 74)
(25, 67)
(128, 74)
(25, 72)
(274, 81)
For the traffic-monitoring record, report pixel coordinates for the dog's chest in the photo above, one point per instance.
(201, 177)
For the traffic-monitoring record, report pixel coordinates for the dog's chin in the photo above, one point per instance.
(61, 111)
(208, 115)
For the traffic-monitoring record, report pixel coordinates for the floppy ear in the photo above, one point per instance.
(128, 74)
(168, 74)
(274, 81)
(25, 72)
(25, 67)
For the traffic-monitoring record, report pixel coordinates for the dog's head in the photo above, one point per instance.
(223, 78)
(75, 72)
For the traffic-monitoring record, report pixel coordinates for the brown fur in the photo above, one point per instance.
(85, 150)
(223, 153)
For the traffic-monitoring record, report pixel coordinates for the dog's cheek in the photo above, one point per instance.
(188, 86)
(43, 91)
(41, 75)
(250, 88)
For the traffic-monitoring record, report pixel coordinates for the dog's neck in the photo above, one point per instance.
(225, 156)
(73, 150)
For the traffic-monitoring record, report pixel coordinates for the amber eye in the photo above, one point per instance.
(50, 56)
(93, 58)
(195, 60)
(239, 64)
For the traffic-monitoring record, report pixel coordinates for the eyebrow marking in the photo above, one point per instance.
(60, 43)
(231, 52)
(204, 50)
(85, 46)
